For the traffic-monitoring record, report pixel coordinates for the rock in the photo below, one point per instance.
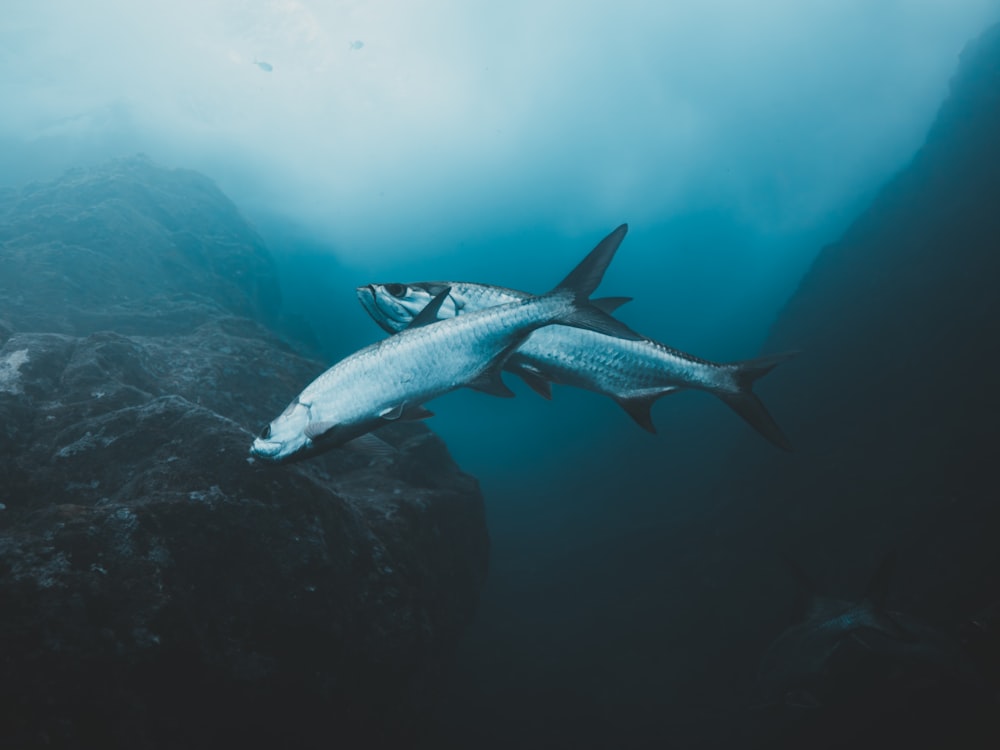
(127, 245)
(899, 321)
(893, 409)
(159, 588)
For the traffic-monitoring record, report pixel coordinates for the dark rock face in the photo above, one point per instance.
(157, 587)
(893, 406)
(900, 324)
(114, 247)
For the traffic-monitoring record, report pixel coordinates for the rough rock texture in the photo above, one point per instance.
(894, 409)
(157, 587)
(895, 393)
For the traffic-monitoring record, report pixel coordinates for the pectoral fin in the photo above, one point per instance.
(429, 313)
(392, 413)
(405, 412)
(417, 412)
(316, 430)
(371, 445)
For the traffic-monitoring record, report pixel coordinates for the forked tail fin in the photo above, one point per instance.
(744, 401)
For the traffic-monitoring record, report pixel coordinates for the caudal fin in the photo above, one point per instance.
(581, 283)
(744, 401)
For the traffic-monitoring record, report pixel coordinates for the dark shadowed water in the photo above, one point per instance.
(696, 588)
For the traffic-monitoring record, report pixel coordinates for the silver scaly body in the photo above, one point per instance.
(567, 356)
(633, 372)
(390, 379)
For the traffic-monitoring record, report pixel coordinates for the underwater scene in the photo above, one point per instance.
(522, 375)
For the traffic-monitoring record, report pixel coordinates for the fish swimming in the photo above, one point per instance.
(635, 373)
(392, 378)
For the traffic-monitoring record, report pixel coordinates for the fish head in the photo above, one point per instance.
(286, 436)
(394, 306)
(299, 432)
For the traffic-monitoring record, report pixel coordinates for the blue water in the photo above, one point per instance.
(498, 146)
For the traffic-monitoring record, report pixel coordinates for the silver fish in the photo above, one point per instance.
(635, 373)
(391, 379)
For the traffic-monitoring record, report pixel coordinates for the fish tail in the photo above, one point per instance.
(581, 283)
(739, 396)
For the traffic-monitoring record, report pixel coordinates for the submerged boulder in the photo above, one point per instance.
(159, 588)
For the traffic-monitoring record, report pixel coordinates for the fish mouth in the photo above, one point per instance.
(267, 449)
(368, 297)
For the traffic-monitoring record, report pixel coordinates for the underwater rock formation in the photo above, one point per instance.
(894, 410)
(157, 587)
(895, 395)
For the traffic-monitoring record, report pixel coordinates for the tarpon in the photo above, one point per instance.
(635, 373)
(391, 379)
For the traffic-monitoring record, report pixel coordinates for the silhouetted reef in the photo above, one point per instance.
(894, 397)
(894, 410)
(157, 587)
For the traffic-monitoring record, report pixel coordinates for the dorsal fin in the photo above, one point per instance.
(585, 278)
(581, 283)
(429, 313)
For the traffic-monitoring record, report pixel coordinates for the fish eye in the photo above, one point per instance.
(396, 290)
(265, 433)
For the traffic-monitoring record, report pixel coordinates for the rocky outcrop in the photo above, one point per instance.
(158, 588)
(899, 323)
(893, 407)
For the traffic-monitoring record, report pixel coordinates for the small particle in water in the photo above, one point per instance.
(3, 507)
(265, 66)
(356, 45)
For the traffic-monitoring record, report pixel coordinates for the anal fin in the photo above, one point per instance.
(371, 445)
(392, 413)
(640, 407)
(315, 430)
(492, 383)
(533, 378)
